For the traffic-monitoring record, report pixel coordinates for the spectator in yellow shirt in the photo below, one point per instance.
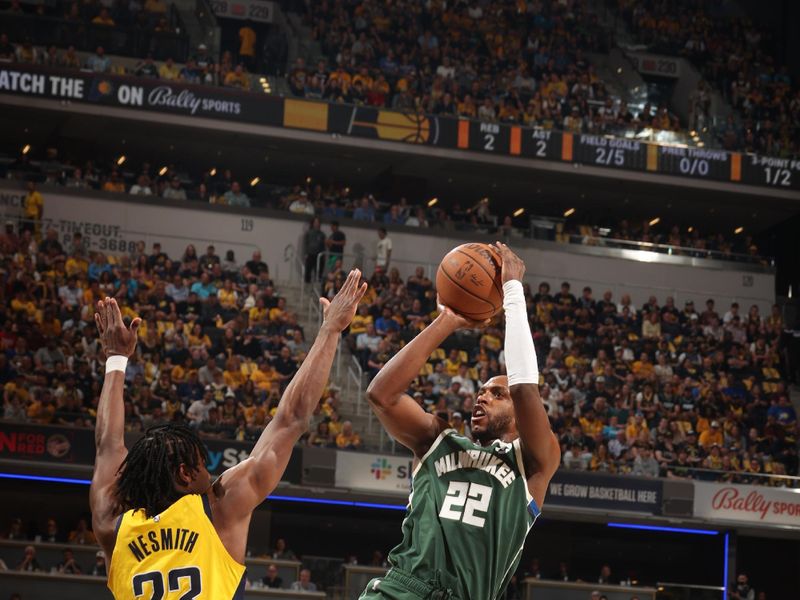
(255, 413)
(22, 303)
(364, 77)
(452, 363)
(262, 375)
(197, 339)
(259, 314)
(636, 425)
(361, 320)
(114, 183)
(155, 6)
(228, 297)
(369, 296)
(178, 374)
(34, 205)
(335, 423)
(237, 79)
(42, 409)
(348, 439)
(643, 368)
(467, 108)
(591, 425)
(711, 436)
(50, 325)
(343, 77)
(233, 375)
(103, 18)
(13, 390)
(247, 47)
(169, 71)
(276, 314)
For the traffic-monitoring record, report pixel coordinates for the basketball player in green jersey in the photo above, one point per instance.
(473, 501)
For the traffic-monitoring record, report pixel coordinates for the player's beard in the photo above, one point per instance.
(496, 427)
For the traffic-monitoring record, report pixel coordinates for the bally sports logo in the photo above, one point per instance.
(731, 499)
(185, 100)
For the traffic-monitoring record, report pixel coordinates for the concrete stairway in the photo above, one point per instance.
(353, 404)
(201, 25)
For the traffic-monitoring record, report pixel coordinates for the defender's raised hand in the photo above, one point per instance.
(513, 265)
(115, 338)
(339, 312)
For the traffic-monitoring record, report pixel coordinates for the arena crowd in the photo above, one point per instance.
(657, 389)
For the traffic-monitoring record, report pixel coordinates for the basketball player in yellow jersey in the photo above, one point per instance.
(167, 530)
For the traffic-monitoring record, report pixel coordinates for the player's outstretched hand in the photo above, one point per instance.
(513, 265)
(339, 312)
(115, 338)
(456, 320)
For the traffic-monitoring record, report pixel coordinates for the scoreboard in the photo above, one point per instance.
(502, 139)
(622, 153)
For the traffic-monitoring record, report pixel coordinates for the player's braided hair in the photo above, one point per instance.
(148, 474)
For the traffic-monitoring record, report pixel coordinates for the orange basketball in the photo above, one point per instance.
(469, 282)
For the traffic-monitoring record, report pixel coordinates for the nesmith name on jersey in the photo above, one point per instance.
(476, 459)
(164, 538)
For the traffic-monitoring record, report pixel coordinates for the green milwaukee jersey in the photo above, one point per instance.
(468, 515)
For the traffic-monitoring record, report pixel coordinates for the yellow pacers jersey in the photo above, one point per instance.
(176, 555)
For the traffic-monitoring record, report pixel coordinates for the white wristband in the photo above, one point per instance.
(520, 353)
(116, 363)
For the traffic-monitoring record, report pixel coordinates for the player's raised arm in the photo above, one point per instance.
(119, 343)
(403, 418)
(243, 487)
(540, 448)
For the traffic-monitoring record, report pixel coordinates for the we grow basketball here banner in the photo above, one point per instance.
(756, 505)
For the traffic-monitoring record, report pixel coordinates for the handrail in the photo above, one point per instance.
(208, 23)
(715, 588)
(792, 479)
(598, 241)
(367, 264)
(576, 585)
(356, 374)
(533, 278)
(584, 241)
(610, 242)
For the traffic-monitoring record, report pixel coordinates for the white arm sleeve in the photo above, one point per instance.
(520, 353)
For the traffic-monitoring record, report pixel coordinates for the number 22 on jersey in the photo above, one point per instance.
(466, 502)
(174, 577)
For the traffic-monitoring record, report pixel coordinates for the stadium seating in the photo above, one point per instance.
(502, 62)
(700, 389)
(738, 57)
(507, 62)
(338, 200)
(617, 379)
(122, 28)
(216, 347)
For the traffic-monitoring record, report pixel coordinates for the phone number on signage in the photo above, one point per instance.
(111, 245)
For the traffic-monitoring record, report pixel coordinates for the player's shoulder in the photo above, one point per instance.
(447, 440)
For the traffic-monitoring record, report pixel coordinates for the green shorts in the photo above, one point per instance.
(399, 585)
